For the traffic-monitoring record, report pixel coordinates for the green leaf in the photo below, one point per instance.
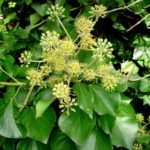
(8, 127)
(38, 128)
(85, 2)
(60, 2)
(106, 122)
(145, 85)
(10, 17)
(97, 140)
(125, 128)
(40, 9)
(45, 99)
(104, 102)
(28, 144)
(28, 2)
(146, 99)
(85, 98)
(34, 18)
(77, 125)
(59, 141)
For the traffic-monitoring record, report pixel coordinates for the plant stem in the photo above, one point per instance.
(27, 98)
(125, 7)
(63, 27)
(137, 79)
(8, 74)
(40, 23)
(12, 83)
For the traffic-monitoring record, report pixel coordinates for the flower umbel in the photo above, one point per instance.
(102, 49)
(55, 10)
(25, 58)
(84, 26)
(49, 40)
(61, 91)
(98, 11)
(35, 77)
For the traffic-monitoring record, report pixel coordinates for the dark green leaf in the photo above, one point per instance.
(8, 127)
(85, 98)
(59, 141)
(28, 144)
(77, 125)
(34, 18)
(40, 9)
(97, 140)
(45, 98)
(38, 128)
(106, 122)
(104, 102)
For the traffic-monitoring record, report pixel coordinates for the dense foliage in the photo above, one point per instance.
(74, 75)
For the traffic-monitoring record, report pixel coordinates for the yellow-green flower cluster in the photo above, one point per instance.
(55, 11)
(84, 26)
(98, 11)
(62, 92)
(102, 50)
(35, 77)
(59, 64)
(26, 58)
(137, 146)
(140, 118)
(49, 40)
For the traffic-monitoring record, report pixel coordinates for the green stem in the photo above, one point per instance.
(63, 27)
(137, 79)
(16, 92)
(36, 61)
(27, 98)
(8, 74)
(12, 83)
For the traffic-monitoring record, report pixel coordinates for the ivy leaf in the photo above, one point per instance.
(145, 85)
(45, 98)
(38, 128)
(104, 102)
(125, 128)
(34, 18)
(146, 99)
(28, 144)
(77, 125)
(97, 140)
(106, 122)
(40, 9)
(85, 2)
(28, 2)
(59, 141)
(85, 98)
(8, 127)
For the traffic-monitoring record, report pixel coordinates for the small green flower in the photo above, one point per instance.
(84, 26)
(98, 11)
(55, 11)
(137, 146)
(61, 91)
(35, 77)
(140, 118)
(49, 40)
(102, 50)
(26, 58)
(11, 4)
